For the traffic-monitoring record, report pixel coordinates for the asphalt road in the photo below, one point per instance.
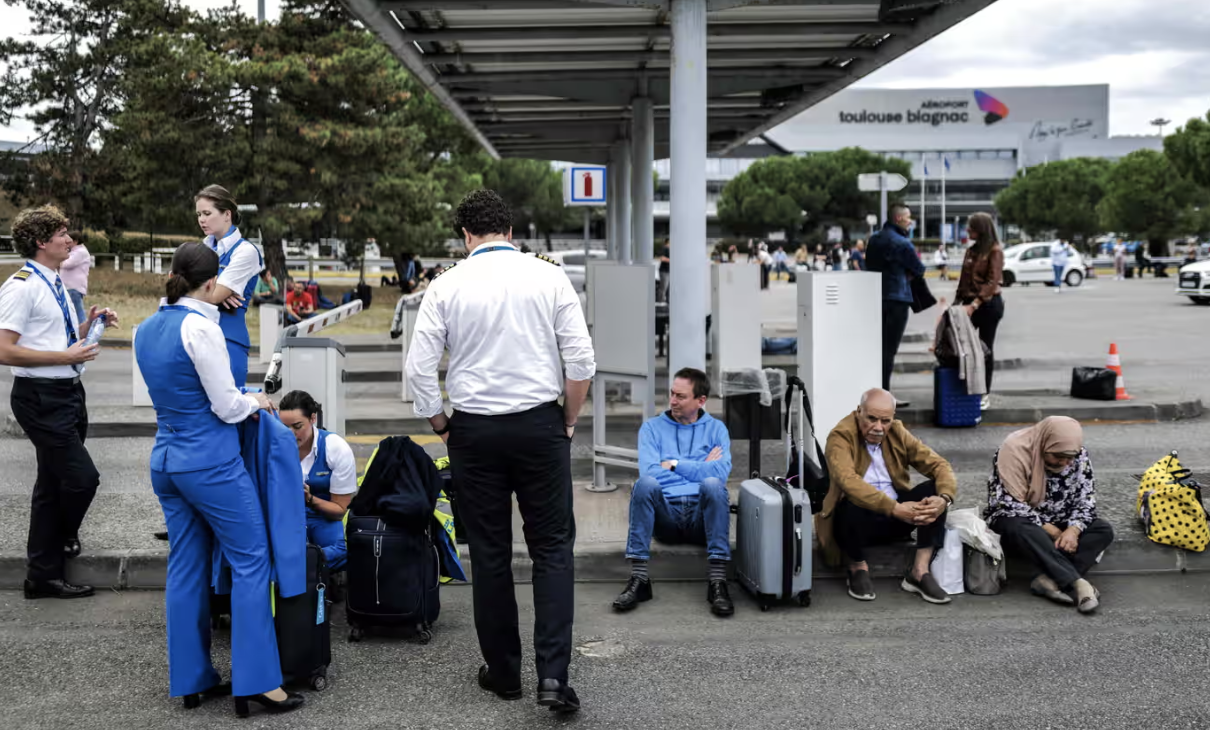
(1012, 661)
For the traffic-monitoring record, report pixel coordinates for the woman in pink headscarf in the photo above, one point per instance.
(1041, 500)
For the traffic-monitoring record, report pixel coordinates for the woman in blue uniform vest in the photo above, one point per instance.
(329, 472)
(206, 493)
(239, 263)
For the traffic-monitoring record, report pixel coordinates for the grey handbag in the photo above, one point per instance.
(982, 575)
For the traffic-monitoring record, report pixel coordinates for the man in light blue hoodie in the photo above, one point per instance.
(681, 494)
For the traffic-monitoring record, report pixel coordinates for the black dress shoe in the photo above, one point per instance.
(55, 589)
(194, 701)
(488, 683)
(557, 696)
(292, 702)
(637, 591)
(71, 548)
(719, 598)
(162, 535)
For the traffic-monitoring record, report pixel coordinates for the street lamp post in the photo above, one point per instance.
(1160, 123)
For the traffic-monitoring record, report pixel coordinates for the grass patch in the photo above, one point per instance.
(135, 297)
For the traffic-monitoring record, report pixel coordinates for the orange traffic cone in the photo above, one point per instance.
(1115, 364)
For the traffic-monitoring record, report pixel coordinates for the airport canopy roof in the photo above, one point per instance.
(554, 79)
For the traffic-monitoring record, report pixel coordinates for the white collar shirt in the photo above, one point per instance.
(207, 348)
(245, 262)
(514, 328)
(340, 461)
(30, 308)
(877, 476)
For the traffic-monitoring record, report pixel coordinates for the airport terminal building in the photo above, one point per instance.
(985, 135)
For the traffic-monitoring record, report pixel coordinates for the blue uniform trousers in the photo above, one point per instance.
(238, 354)
(329, 535)
(202, 506)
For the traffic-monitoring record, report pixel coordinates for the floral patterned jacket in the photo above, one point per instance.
(1070, 499)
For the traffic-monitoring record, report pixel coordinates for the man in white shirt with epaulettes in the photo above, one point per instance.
(41, 339)
(517, 340)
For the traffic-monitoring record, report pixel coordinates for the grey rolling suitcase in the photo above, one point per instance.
(773, 536)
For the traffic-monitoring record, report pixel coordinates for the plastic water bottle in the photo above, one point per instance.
(95, 332)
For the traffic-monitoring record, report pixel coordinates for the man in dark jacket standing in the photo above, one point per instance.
(892, 253)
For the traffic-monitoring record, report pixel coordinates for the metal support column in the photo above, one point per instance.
(611, 228)
(625, 252)
(642, 184)
(689, 301)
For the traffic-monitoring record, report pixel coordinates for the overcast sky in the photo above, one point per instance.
(1154, 54)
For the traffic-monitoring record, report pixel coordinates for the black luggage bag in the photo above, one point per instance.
(393, 579)
(303, 627)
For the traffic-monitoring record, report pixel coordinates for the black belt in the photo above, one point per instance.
(49, 381)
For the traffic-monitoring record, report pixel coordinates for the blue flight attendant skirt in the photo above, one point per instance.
(200, 507)
(238, 354)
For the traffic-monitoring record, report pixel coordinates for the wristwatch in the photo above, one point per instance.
(673, 462)
(443, 431)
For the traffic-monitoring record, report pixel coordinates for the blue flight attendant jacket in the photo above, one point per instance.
(271, 457)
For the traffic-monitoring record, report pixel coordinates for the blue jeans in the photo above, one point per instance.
(77, 301)
(704, 519)
(329, 535)
(1058, 275)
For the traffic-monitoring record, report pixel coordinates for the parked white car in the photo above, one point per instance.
(573, 263)
(1193, 281)
(1026, 263)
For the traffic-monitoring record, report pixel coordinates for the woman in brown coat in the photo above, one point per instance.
(979, 286)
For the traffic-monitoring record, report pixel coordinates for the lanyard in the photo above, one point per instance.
(492, 248)
(61, 298)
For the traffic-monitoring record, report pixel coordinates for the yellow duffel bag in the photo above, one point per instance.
(1170, 506)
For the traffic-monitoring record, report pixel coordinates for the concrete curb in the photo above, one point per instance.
(606, 563)
(921, 415)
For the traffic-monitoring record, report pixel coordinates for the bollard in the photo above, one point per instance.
(139, 396)
(157, 266)
(270, 330)
(117, 262)
(138, 264)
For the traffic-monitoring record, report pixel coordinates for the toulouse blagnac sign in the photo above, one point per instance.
(934, 112)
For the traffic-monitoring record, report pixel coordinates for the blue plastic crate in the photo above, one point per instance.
(952, 407)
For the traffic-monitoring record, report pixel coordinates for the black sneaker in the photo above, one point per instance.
(860, 585)
(927, 588)
(719, 598)
(637, 591)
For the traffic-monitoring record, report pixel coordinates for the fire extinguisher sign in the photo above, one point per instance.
(584, 185)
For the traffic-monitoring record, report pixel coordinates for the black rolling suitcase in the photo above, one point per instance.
(303, 628)
(393, 579)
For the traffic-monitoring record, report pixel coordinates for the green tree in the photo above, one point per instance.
(534, 191)
(847, 206)
(1059, 197)
(774, 194)
(1189, 150)
(66, 80)
(797, 194)
(1145, 196)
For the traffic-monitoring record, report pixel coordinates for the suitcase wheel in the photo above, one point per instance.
(423, 636)
(356, 633)
(764, 607)
(804, 599)
(319, 683)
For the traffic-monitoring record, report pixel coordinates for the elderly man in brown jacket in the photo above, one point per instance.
(871, 500)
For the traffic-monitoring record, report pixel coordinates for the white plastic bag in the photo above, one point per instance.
(975, 532)
(947, 566)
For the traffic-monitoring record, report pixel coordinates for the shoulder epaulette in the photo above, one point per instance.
(439, 273)
(547, 259)
(21, 275)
